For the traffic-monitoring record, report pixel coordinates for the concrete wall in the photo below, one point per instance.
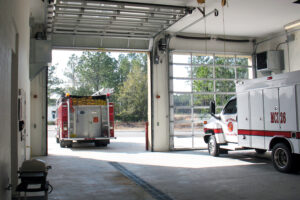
(14, 75)
(291, 49)
(38, 116)
(160, 100)
(14, 23)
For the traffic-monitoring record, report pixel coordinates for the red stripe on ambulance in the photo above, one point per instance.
(286, 134)
(215, 130)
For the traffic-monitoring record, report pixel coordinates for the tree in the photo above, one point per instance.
(54, 87)
(70, 72)
(139, 59)
(133, 96)
(90, 72)
(127, 76)
(124, 67)
(222, 71)
(97, 70)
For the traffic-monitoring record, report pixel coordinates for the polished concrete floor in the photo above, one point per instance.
(124, 170)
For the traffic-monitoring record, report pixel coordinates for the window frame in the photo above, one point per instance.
(223, 111)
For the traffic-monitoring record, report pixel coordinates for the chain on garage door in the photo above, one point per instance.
(194, 80)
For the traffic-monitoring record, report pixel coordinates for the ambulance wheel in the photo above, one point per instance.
(260, 151)
(213, 147)
(282, 158)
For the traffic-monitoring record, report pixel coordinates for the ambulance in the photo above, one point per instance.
(264, 115)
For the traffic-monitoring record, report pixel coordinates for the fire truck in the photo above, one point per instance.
(84, 119)
(264, 115)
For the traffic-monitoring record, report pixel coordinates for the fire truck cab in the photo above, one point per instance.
(84, 119)
(264, 115)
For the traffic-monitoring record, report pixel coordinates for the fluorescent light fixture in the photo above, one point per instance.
(292, 25)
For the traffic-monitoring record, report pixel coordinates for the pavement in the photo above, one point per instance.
(124, 170)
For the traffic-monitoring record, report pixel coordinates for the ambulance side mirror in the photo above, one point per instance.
(212, 107)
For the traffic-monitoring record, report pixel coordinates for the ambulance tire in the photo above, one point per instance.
(282, 158)
(223, 151)
(296, 162)
(260, 151)
(213, 147)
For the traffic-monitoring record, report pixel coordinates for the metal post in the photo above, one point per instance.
(146, 136)
(108, 124)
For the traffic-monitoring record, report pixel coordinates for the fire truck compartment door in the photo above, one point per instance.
(88, 122)
(271, 109)
(95, 123)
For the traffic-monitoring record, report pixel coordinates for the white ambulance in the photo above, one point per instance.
(264, 115)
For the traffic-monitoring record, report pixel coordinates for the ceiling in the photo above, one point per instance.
(249, 18)
(130, 24)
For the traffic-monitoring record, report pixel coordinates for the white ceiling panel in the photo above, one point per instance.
(251, 18)
(141, 20)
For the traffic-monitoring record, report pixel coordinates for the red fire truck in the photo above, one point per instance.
(84, 119)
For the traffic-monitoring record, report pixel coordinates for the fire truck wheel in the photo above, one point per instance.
(282, 158)
(213, 147)
(62, 144)
(100, 144)
(260, 151)
(69, 144)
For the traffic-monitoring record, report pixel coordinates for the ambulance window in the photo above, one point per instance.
(230, 108)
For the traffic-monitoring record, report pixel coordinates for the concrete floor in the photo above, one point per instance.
(85, 172)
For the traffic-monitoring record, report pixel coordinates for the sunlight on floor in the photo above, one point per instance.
(131, 150)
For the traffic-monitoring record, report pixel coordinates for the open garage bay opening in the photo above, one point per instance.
(120, 76)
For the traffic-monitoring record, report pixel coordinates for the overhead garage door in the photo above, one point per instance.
(108, 24)
(196, 79)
